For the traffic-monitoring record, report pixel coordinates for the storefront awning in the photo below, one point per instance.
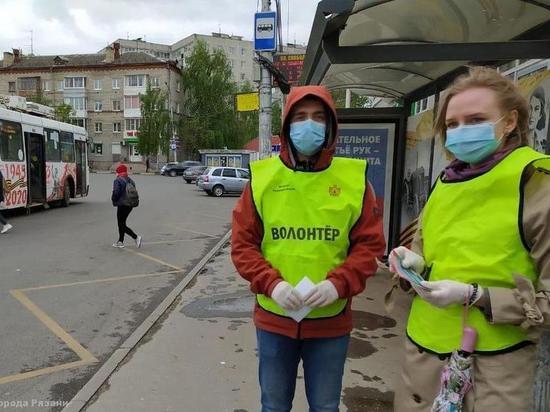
(397, 48)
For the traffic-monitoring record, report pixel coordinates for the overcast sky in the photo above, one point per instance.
(86, 26)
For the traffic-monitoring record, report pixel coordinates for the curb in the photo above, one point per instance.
(83, 396)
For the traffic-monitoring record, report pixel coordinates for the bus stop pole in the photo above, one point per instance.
(265, 101)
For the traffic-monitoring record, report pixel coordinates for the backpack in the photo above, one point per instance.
(132, 197)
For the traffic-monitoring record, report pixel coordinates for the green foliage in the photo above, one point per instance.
(155, 130)
(63, 112)
(210, 120)
(276, 121)
(357, 101)
(40, 99)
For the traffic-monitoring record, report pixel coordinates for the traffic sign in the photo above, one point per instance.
(265, 31)
(173, 146)
(247, 102)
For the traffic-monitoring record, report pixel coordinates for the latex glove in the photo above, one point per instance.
(409, 259)
(286, 296)
(443, 293)
(322, 294)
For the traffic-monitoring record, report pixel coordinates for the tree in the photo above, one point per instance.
(276, 118)
(155, 130)
(210, 120)
(63, 112)
(357, 101)
(248, 122)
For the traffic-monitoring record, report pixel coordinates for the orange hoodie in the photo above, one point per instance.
(366, 241)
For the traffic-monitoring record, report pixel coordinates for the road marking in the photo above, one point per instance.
(52, 325)
(143, 255)
(86, 357)
(163, 242)
(113, 279)
(43, 371)
(196, 232)
(211, 216)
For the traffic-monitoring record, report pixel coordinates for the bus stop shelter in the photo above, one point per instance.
(409, 51)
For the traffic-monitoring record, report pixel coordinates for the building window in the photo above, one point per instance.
(116, 105)
(131, 102)
(60, 85)
(98, 106)
(178, 86)
(97, 84)
(135, 80)
(77, 103)
(115, 148)
(155, 82)
(98, 127)
(117, 127)
(75, 82)
(80, 122)
(46, 85)
(28, 83)
(232, 50)
(115, 84)
(242, 76)
(98, 148)
(242, 63)
(132, 124)
(11, 87)
(242, 51)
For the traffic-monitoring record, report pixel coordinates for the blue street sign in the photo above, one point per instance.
(265, 31)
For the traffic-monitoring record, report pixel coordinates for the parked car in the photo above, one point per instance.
(177, 168)
(190, 175)
(217, 181)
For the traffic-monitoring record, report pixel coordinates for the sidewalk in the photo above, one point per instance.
(201, 355)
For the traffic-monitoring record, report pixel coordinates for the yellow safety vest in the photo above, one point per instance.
(307, 218)
(471, 233)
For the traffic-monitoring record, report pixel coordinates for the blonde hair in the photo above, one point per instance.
(508, 97)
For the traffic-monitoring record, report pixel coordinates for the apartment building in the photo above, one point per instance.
(240, 52)
(103, 89)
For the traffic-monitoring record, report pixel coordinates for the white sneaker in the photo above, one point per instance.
(6, 228)
(118, 244)
(138, 241)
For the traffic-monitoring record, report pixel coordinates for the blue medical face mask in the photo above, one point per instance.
(473, 143)
(308, 136)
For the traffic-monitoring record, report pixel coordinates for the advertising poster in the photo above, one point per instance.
(374, 143)
(536, 89)
(416, 180)
(291, 65)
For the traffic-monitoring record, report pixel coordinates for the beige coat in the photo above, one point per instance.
(504, 381)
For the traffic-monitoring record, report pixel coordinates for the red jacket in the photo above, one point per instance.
(366, 243)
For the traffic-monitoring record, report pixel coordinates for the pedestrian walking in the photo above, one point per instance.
(125, 198)
(5, 225)
(483, 242)
(306, 214)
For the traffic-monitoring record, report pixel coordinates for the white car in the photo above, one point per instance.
(216, 181)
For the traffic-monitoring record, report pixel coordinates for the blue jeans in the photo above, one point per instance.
(323, 361)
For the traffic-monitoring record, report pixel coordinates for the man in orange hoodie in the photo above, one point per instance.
(305, 214)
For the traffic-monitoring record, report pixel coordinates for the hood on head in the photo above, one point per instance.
(296, 94)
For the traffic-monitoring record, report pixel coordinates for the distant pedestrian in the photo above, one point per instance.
(5, 225)
(125, 198)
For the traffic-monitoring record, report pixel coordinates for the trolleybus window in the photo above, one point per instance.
(11, 141)
(67, 147)
(53, 146)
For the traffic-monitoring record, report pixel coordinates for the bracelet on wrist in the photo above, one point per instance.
(474, 295)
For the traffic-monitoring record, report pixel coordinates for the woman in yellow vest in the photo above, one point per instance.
(484, 238)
